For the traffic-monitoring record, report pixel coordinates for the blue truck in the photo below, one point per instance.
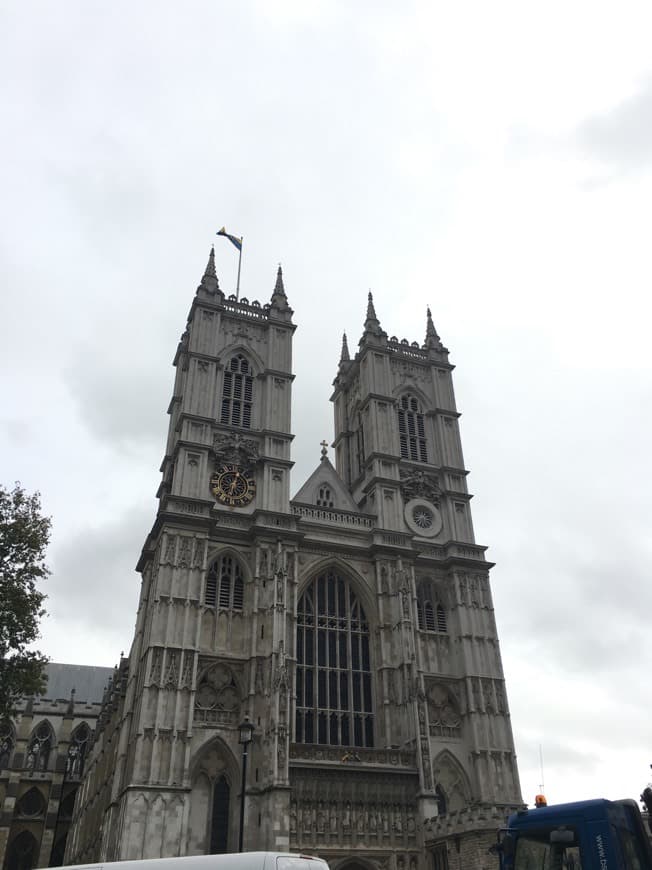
(585, 835)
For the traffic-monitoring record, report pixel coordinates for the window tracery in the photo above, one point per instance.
(39, 748)
(7, 741)
(431, 613)
(224, 584)
(412, 430)
(31, 804)
(334, 692)
(77, 749)
(217, 700)
(237, 393)
(325, 497)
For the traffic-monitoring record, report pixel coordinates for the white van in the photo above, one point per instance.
(230, 861)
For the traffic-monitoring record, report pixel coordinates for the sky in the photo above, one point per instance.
(490, 160)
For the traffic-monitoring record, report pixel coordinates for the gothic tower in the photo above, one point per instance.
(352, 625)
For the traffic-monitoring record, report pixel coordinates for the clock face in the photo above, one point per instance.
(232, 485)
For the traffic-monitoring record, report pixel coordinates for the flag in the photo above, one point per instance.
(233, 239)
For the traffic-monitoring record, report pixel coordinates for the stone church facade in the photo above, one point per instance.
(352, 624)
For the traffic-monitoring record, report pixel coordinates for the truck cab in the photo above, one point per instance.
(585, 835)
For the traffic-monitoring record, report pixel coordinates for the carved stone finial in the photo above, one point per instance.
(372, 324)
(279, 299)
(324, 449)
(345, 356)
(209, 280)
(432, 339)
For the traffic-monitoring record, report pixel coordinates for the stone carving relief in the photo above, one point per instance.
(444, 714)
(326, 814)
(185, 545)
(169, 555)
(173, 660)
(233, 449)
(418, 484)
(217, 700)
(186, 676)
(157, 663)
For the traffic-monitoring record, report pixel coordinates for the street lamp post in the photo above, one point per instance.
(246, 729)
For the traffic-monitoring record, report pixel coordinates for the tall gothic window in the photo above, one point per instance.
(237, 393)
(220, 817)
(77, 750)
(224, 584)
(6, 744)
(39, 748)
(334, 703)
(411, 430)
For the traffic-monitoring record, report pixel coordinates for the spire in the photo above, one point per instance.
(279, 288)
(432, 339)
(210, 266)
(371, 314)
(345, 356)
(372, 324)
(209, 280)
(279, 305)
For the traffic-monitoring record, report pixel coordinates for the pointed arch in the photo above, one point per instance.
(39, 748)
(359, 583)
(453, 781)
(31, 804)
(7, 744)
(22, 853)
(225, 581)
(80, 740)
(412, 426)
(237, 393)
(238, 347)
(215, 782)
(334, 669)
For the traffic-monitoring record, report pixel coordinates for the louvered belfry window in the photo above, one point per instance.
(412, 430)
(334, 698)
(224, 584)
(237, 393)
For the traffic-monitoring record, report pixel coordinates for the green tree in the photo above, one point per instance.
(24, 536)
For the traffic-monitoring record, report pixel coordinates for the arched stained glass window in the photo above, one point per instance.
(334, 693)
(412, 430)
(224, 584)
(237, 393)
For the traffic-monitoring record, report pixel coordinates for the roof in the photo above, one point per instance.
(89, 682)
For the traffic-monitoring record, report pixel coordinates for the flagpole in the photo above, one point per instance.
(237, 289)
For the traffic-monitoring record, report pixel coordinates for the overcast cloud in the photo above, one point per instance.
(489, 160)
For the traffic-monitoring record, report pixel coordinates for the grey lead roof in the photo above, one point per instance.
(88, 682)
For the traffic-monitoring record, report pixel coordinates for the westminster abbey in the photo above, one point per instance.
(349, 630)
